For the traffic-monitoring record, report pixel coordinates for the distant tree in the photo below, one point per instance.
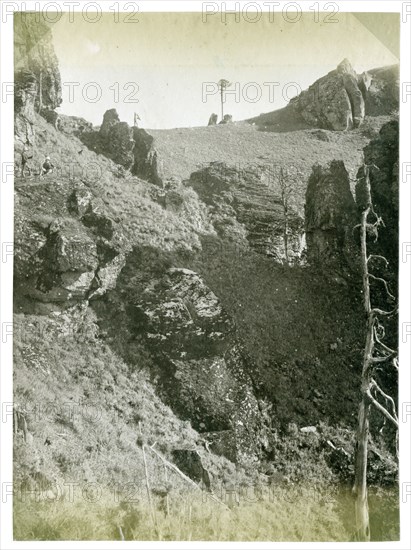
(376, 353)
(222, 85)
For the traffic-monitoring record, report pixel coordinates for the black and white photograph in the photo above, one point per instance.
(209, 337)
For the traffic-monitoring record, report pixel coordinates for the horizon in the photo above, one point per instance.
(176, 55)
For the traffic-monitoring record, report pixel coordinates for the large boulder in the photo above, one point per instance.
(73, 125)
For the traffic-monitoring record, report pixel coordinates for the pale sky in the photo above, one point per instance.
(166, 59)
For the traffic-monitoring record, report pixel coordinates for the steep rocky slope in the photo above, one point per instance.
(163, 278)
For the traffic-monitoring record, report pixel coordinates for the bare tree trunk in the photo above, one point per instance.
(361, 496)
(375, 352)
(360, 484)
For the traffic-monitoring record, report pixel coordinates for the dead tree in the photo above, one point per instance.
(375, 353)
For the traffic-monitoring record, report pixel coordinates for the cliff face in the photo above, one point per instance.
(330, 216)
(254, 205)
(37, 77)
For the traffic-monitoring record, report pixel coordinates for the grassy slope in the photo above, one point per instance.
(181, 151)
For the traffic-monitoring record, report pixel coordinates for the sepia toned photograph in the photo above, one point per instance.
(206, 273)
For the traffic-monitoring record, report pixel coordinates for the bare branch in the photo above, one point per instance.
(377, 256)
(386, 348)
(384, 282)
(380, 359)
(386, 397)
(382, 409)
(376, 311)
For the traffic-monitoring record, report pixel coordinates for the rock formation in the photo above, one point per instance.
(212, 121)
(37, 77)
(72, 125)
(191, 464)
(73, 258)
(117, 139)
(334, 101)
(228, 119)
(330, 216)
(200, 370)
(339, 100)
(24, 106)
(145, 157)
(381, 90)
(246, 204)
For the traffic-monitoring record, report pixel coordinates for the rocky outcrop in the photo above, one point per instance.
(227, 119)
(73, 125)
(25, 95)
(69, 262)
(70, 259)
(146, 165)
(117, 139)
(381, 90)
(110, 119)
(248, 205)
(330, 216)
(334, 101)
(131, 147)
(338, 101)
(37, 76)
(198, 367)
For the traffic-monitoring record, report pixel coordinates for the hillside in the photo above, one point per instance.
(183, 150)
(189, 323)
